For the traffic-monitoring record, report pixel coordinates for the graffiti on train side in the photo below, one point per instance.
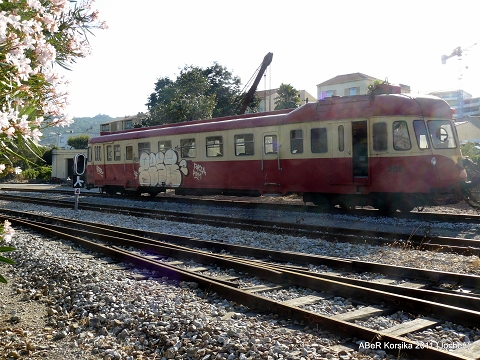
(99, 170)
(161, 169)
(198, 171)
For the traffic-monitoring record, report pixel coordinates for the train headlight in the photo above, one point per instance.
(433, 161)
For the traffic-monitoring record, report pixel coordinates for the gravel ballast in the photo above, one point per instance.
(60, 304)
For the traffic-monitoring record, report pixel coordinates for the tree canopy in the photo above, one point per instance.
(287, 97)
(78, 142)
(35, 38)
(196, 94)
(372, 87)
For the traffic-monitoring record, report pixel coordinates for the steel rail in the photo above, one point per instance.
(437, 277)
(358, 289)
(340, 327)
(229, 201)
(426, 242)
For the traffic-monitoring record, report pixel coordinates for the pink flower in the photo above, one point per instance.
(8, 231)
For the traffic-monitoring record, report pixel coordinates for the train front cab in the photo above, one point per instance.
(414, 162)
(390, 163)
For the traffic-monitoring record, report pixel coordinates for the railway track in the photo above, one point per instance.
(431, 303)
(252, 203)
(334, 234)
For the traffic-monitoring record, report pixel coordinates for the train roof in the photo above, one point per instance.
(329, 109)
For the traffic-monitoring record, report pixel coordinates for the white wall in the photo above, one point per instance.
(60, 159)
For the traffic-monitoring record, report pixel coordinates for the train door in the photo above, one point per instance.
(360, 150)
(271, 164)
(129, 167)
(108, 156)
(342, 168)
(98, 161)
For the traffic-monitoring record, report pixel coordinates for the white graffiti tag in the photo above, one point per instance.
(161, 169)
(198, 171)
(99, 170)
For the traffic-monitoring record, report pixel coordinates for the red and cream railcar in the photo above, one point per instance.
(391, 151)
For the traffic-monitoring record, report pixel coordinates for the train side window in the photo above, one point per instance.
(109, 153)
(244, 144)
(116, 153)
(421, 134)
(214, 146)
(441, 134)
(89, 154)
(401, 137)
(128, 152)
(296, 141)
(98, 153)
(164, 145)
(143, 147)
(270, 144)
(318, 138)
(341, 138)
(187, 148)
(380, 136)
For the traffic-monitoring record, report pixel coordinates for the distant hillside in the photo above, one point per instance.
(81, 126)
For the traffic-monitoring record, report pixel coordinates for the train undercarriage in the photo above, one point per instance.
(386, 203)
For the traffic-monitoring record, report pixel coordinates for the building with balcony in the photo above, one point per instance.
(471, 105)
(468, 125)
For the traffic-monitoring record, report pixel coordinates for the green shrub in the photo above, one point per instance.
(44, 173)
(30, 174)
(472, 151)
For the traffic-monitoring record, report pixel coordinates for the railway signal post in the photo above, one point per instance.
(79, 166)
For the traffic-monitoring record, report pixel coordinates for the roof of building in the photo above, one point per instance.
(439, 93)
(264, 93)
(340, 79)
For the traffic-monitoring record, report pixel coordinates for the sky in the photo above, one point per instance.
(311, 40)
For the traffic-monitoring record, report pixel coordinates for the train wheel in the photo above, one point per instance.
(110, 191)
(386, 206)
(153, 193)
(404, 206)
(387, 209)
(345, 205)
(322, 202)
(390, 206)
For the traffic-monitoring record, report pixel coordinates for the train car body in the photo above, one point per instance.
(390, 151)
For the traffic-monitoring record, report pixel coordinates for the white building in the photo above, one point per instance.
(348, 85)
(471, 105)
(468, 125)
(62, 162)
(267, 98)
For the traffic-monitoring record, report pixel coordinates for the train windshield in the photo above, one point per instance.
(441, 134)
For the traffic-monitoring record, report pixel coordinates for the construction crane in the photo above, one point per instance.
(458, 51)
(261, 69)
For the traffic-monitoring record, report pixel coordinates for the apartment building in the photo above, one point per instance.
(471, 105)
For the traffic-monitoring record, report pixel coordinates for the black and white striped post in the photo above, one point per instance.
(79, 166)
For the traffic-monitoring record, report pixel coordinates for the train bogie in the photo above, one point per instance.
(387, 151)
